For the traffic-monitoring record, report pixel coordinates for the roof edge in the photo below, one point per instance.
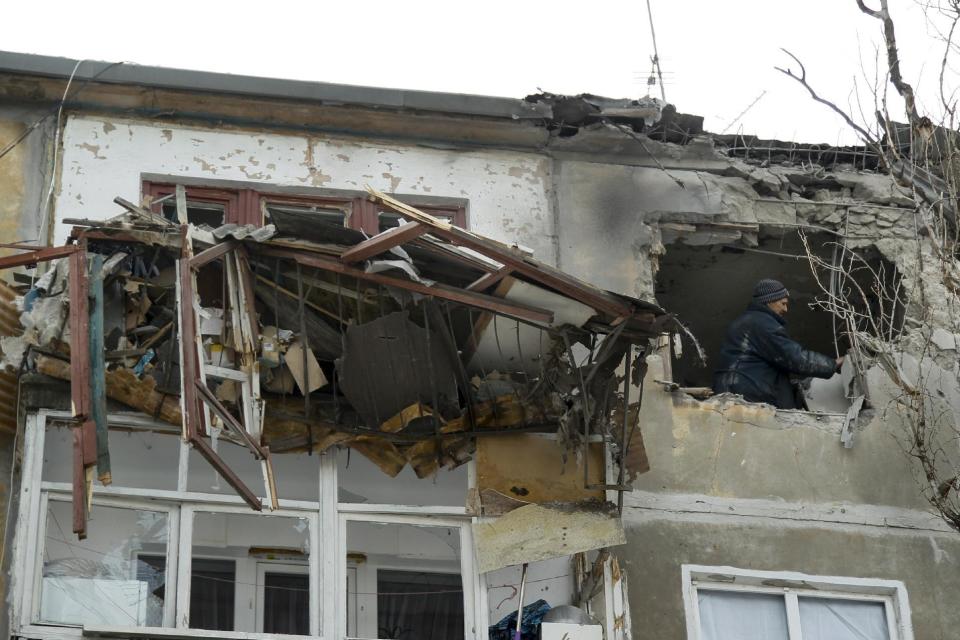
(125, 73)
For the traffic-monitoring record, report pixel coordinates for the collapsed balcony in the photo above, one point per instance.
(410, 347)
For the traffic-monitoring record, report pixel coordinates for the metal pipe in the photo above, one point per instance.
(523, 584)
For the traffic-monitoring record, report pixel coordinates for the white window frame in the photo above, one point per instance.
(170, 572)
(328, 548)
(185, 566)
(892, 593)
(470, 578)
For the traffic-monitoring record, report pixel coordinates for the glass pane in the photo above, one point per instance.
(297, 475)
(361, 481)
(227, 551)
(404, 581)
(139, 459)
(830, 619)
(732, 615)
(208, 610)
(388, 220)
(198, 213)
(103, 580)
(325, 215)
(286, 603)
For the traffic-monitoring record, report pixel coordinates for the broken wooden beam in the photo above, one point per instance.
(39, 255)
(487, 280)
(226, 472)
(123, 386)
(383, 242)
(80, 369)
(98, 371)
(217, 407)
(461, 296)
(214, 252)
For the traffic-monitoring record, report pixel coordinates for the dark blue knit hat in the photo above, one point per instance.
(768, 290)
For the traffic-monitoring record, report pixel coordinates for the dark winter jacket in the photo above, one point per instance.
(758, 357)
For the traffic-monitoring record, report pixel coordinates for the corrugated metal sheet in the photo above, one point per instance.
(9, 326)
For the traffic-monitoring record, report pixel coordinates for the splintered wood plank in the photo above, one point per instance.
(98, 373)
(383, 242)
(211, 254)
(79, 498)
(487, 280)
(226, 473)
(40, 255)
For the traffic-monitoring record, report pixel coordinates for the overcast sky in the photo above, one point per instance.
(718, 56)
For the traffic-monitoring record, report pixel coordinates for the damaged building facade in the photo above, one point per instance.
(369, 360)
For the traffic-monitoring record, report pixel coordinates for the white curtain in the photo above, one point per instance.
(826, 619)
(732, 615)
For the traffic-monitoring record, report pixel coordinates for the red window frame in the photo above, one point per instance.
(244, 206)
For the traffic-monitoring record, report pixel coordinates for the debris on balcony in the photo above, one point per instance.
(425, 346)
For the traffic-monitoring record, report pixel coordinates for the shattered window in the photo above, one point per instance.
(203, 478)
(390, 219)
(250, 573)
(336, 216)
(406, 581)
(298, 475)
(139, 459)
(208, 213)
(102, 580)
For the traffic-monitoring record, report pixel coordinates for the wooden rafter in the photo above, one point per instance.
(508, 256)
(383, 242)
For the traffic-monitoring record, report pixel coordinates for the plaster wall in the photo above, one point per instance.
(657, 546)
(727, 448)
(24, 175)
(507, 192)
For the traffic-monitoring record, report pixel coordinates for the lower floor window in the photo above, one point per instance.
(749, 616)
(404, 581)
(416, 604)
(731, 604)
(101, 580)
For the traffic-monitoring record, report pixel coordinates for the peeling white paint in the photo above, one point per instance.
(123, 154)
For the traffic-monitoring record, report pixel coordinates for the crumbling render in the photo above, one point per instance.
(403, 347)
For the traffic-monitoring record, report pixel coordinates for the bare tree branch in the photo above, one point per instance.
(802, 79)
(893, 58)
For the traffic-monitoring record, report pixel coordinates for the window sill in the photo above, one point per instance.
(94, 631)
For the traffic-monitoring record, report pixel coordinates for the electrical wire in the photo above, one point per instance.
(56, 155)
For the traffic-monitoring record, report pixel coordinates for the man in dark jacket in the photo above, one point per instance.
(758, 357)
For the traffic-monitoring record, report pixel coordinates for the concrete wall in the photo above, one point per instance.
(734, 484)
(24, 173)
(659, 544)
